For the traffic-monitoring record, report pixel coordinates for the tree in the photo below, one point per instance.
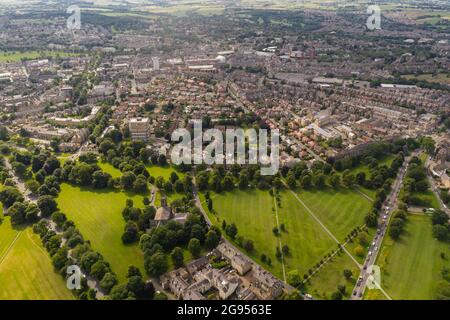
(133, 271)
(99, 269)
(194, 247)
(335, 180)
(140, 184)
(131, 233)
(31, 213)
(440, 232)
(439, 217)
(212, 240)
(119, 292)
(9, 195)
(359, 251)
(348, 274)
(136, 285)
(108, 282)
(319, 180)
(294, 278)
(291, 181)
(248, 245)
(17, 213)
(337, 295)
(32, 185)
(127, 180)
(231, 230)
(47, 205)
(100, 179)
(156, 264)
(59, 218)
(285, 250)
(177, 257)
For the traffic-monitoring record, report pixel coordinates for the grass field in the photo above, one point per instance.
(326, 281)
(6, 56)
(439, 78)
(165, 172)
(109, 168)
(26, 272)
(340, 210)
(98, 215)
(411, 267)
(252, 212)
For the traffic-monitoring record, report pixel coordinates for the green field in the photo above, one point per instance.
(98, 216)
(443, 78)
(411, 267)
(252, 212)
(340, 210)
(26, 271)
(6, 56)
(109, 168)
(326, 281)
(165, 172)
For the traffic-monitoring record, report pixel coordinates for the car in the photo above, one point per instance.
(365, 267)
(385, 216)
(373, 243)
(376, 248)
(360, 294)
(370, 253)
(354, 293)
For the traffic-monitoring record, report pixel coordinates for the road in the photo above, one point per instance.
(19, 183)
(388, 208)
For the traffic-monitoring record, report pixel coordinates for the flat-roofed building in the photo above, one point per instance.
(139, 129)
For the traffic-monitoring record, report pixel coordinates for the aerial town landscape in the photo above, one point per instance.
(116, 183)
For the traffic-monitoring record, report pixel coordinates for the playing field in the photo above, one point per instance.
(340, 210)
(411, 267)
(26, 271)
(98, 215)
(14, 56)
(254, 217)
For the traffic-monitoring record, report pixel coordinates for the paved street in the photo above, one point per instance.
(388, 208)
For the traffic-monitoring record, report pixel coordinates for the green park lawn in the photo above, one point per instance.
(330, 276)
(340, 210)
(411, 267)
(98, 216)
(14, 56)
(109, 168)
(165, 172)
(251, 211)
(26, 271)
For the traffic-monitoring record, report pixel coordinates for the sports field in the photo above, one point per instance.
(254, 214)
(26, 271)
(340, 210)
(13, 56)
(411, 267)
(98, 216)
